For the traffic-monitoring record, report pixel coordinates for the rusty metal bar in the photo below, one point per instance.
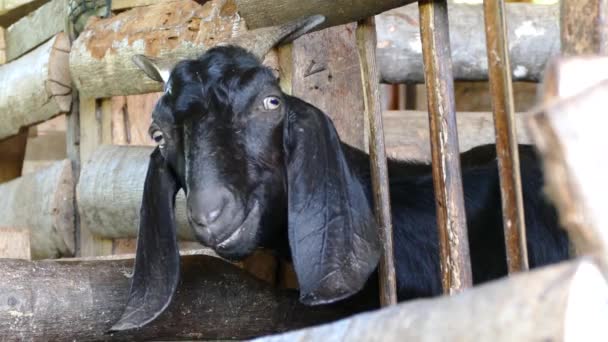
(447, 180)
(366, 46)
(501, 89)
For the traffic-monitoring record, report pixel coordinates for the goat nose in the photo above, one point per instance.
(206, 207)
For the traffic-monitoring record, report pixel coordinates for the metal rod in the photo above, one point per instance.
(507, 151)
(447, 180)
(366, 46)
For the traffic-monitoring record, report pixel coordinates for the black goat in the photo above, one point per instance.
(261, 168)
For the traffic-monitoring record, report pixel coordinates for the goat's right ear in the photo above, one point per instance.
(152, 68)
(156, 271)
(332, 230)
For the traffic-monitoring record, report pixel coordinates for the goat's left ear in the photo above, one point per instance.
(332, 231)
(156, 271)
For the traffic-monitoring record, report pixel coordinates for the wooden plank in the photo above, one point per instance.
(451, 220)
(533, 32)
(36, 28)
(562, 302)
(35, 87)
(91, 123)
(13, 10)
(326, 73)
(42, 202)
(80, 300)
(584, 28)
(15, 243)
(366, 44)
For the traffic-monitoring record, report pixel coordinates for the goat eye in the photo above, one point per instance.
(271, 102)
(157, 136)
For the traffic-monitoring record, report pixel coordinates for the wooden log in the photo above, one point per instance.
(36, 28)
(447, 181)
(80, 300)
(15, 243)
(13, 10)
(100, 61)
(110, 189)
(584, 30)
(566, 132)
(263, 13)
(42, 202)
(35, 87)
(2, 45)
(565, 302)
(533, 32)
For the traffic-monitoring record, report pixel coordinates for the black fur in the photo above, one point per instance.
(280, 178)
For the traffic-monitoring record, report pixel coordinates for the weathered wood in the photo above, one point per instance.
(11, 158)
(131, 117)
(15, 243)
(36, 28)
(451, 220)
(565, 302)
(366, 43)
(95, 128)
(507, 150)
(2, 45)
(406, 133)
(80, 300)
(35, 87)
(42, 202)
(100, 61)
(110, 189)
(13, 10)
(533, 32)
(584, 29)
(566, 132)
(125, 4)
(326, 73)
(263, 13)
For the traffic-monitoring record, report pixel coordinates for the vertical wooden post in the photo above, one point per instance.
(584, 27)
(501, 89)
(366, 43)
(447, 179)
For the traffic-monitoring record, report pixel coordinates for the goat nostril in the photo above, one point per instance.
(205, 218)
(213, 215)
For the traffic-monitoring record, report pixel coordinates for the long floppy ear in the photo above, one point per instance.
(332, 231)
(156, 271)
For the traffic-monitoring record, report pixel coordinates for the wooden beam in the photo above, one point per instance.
(561, 302)
(584, 29)
(100, 61)
(35, 87)
(36, 28)
(80, 300)
(42, 202)
(533, 33)
(263, 13)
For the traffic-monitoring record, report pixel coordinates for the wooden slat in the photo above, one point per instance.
(584, 27)
(366, 43)
(501, 89)
(451, 220)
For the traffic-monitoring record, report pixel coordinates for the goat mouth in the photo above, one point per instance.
(234, 236)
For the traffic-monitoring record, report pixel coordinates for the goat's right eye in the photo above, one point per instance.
(157, 136)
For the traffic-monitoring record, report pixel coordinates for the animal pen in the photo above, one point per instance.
(75, 112)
